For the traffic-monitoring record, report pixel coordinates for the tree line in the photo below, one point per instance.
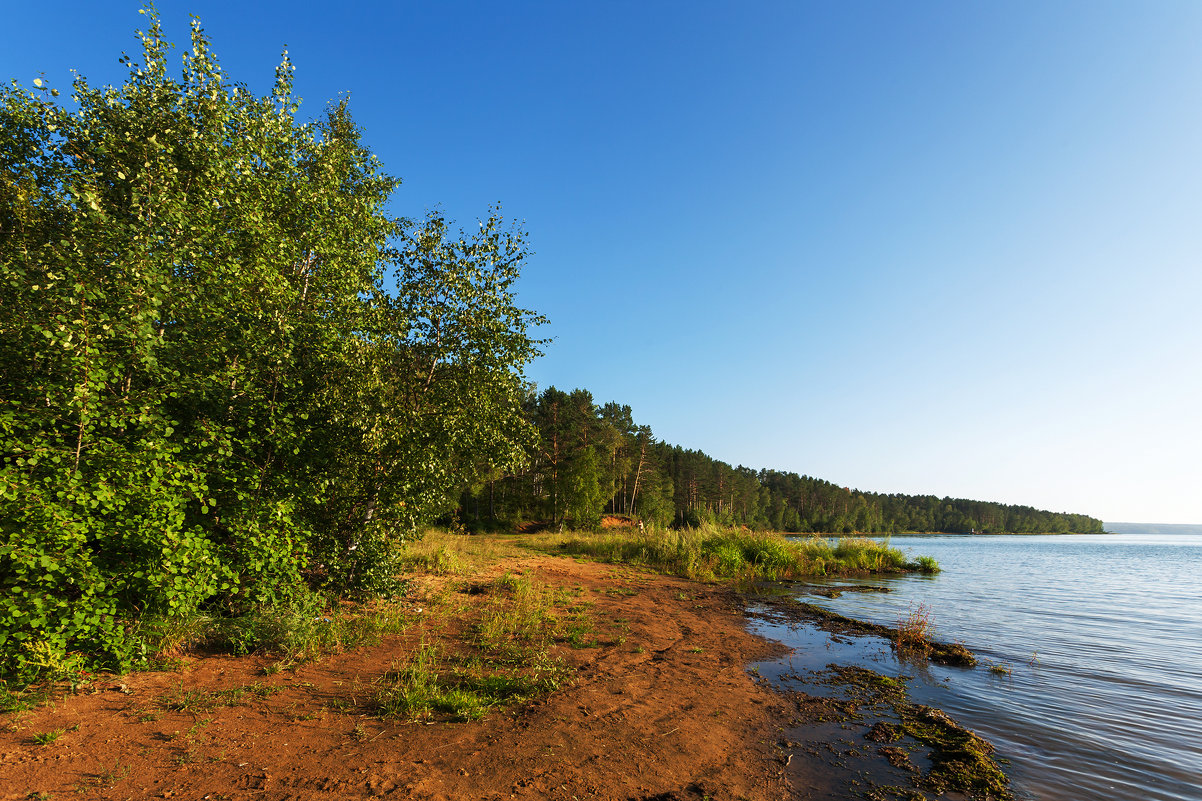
(590, 460)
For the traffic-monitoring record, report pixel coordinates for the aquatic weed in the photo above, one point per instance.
(925, 565)
(913, 632)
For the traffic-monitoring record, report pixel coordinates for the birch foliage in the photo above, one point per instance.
(227, 375)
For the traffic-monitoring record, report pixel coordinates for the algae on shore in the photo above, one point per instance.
(959, 760)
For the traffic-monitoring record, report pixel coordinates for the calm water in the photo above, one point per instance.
(1103, 635)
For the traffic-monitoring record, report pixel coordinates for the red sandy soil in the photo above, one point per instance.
(667, 710)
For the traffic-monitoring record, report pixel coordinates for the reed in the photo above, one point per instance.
(924, 564)
(713, 553)
(914, 631)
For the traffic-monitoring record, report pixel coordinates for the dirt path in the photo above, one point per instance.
(662, 708)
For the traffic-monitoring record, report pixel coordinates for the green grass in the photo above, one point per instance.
(107, 778)
(299, 633)
(427, 685)
(434, 557)
(48, 737)
(443, 553)
(207, 700)
(580, 634)
(924, 564)
(520, 616)
(504, 659)
(413, 690)
(711, 553)
(19, 700)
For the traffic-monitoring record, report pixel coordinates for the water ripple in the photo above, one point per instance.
(1103, 638)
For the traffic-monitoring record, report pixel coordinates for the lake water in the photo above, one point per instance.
(1102, 636)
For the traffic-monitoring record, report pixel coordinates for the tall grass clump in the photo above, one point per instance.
(914, 631)
(442, 552)
(924, 564)
(714, 553)
(413, 690)
(860, 554)
(519, 617)
(434, 553)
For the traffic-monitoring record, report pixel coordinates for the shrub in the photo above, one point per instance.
(206, 385)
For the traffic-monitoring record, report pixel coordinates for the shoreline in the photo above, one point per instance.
(661, 704)
(883, 745)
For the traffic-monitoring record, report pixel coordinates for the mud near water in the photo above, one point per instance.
(876, 743)
(1091, 648)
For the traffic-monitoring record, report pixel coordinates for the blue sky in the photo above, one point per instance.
(947, 248)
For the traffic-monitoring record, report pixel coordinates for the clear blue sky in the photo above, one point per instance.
(923, 247)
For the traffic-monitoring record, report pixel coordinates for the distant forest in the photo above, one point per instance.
(591, 460)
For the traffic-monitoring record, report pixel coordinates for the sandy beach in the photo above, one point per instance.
(659, 704)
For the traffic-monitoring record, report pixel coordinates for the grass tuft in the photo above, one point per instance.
(413, 690)
(506, 657)
(48, 737)
(299, 633)
(914, 631)
(925, 565)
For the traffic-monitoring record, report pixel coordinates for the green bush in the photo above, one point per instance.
(211, 404)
